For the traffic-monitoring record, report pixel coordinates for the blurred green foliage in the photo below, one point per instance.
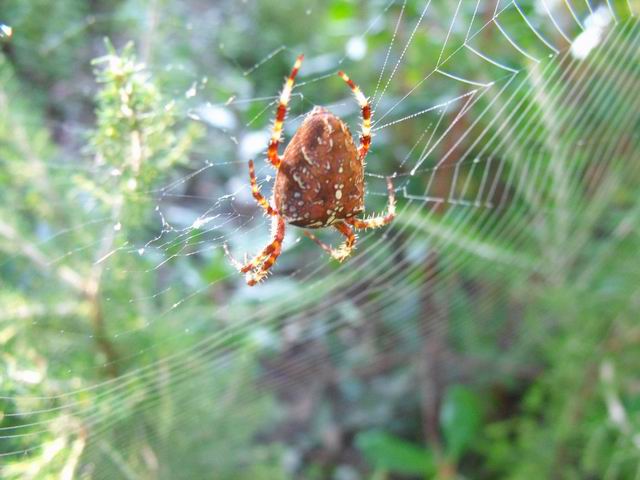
(504, 352)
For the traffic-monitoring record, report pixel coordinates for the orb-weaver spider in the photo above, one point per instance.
(319, 180)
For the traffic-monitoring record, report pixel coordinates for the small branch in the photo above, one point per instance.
(431, 362)
(87, 289)
(95, 281)
(33, 253)
(93, 290)
(30, 311)
(100, 335)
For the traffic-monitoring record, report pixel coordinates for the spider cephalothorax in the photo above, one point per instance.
(319, 180)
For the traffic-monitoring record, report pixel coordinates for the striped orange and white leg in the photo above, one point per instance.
(281, 113)
(344, 250)
(258, 268)
(255, 191)
(365, 138)
(378, 220)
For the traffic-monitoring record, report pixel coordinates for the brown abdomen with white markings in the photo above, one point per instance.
(321, 178)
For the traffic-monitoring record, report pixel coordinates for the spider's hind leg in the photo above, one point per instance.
(380, 220)
(344, 250)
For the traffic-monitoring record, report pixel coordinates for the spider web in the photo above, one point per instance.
(505, 142)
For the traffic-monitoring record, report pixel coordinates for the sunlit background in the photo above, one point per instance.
(491, 331)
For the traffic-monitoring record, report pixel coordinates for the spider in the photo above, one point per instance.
(319, 181)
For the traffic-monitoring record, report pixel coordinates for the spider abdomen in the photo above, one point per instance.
(321, 178)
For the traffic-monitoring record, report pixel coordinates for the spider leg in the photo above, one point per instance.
(365, 138)
(268, 256)
(255, 190)
(242, 267)
(258, 267)
(344, 250)
(281, 113)
(258, 259)
(379, 220)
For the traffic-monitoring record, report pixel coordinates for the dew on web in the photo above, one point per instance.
(5, 31)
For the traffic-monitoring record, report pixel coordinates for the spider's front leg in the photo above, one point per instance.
(379, 220)
(281, 113)
(258, 268)
(344, 250)
(365, 138)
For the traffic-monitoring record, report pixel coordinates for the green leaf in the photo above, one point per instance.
(390, 453)
(341, 10)
(460, 419)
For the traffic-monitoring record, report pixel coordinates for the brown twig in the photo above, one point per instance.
(89, 290)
